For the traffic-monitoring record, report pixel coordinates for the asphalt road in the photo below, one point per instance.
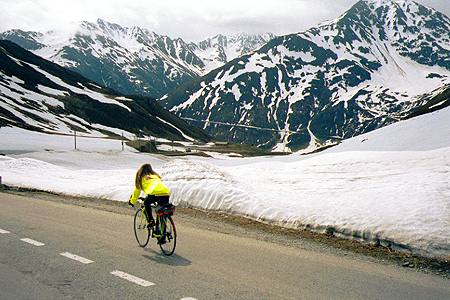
(206, 265)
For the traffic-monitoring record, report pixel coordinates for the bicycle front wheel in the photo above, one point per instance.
(141, 232)
(168, 241)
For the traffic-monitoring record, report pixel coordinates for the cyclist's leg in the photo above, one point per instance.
(148, 209)
(162, 229)
(163, 201)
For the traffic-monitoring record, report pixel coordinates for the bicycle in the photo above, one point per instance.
(164, 230)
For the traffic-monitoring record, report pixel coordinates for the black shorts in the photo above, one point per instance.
(161, 200)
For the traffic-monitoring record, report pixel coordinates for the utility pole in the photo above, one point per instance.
(122, 141)
(75, 139)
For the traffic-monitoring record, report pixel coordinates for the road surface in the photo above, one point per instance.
(51, 250)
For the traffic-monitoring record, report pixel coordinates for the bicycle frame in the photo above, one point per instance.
(157, 220)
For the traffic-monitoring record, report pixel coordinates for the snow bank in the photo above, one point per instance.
(403, 197)
(202, 185)
(31, 173)
(395, 197)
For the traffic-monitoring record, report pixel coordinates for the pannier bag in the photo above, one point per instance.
(167, 210)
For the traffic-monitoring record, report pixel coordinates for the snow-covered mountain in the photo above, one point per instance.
(220, 49)
(131, 60)
(36, 94)
(368, 68)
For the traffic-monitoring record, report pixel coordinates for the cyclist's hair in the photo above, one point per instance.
(144, 170)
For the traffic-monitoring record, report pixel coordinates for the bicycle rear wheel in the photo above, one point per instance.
(169, 236)
(141, 232)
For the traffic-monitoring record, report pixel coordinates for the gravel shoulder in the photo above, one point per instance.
(240, 226)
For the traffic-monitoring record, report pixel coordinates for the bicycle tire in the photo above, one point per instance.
(170, 232)
(141, 232)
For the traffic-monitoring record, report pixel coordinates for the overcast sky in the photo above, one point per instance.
(191, 20)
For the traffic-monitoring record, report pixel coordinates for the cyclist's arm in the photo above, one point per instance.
(135, 196)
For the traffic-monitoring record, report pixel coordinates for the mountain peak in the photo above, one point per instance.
(220, 49)
(401, 5)
(386, 2)
(106, 24)
(109, 27)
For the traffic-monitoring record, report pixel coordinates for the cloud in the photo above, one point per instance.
(190, 19)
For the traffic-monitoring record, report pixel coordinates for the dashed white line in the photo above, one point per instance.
(32, 242)
(4, 231)
(132, 278)
(188, 298)
(77, 258)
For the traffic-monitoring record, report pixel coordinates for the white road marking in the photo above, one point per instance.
(132, 278)
(4, 231)
(77, 258)
(188, 298)
(32, 242)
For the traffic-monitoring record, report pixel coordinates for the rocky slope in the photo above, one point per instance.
(39, 95)
(368, 68)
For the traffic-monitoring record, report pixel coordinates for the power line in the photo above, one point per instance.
(244, 126)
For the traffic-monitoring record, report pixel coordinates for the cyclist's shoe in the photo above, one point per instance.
(161, 241)
(156, 233)
(151, 224)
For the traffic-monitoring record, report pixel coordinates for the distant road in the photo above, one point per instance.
(51, 250)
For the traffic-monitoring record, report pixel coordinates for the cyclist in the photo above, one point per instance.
(148, 181)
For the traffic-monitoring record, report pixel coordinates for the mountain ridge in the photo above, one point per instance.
(341, 78)
(39, 95)
(220, 49)
(131, 60)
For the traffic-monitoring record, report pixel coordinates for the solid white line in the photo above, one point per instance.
(132, 278)
(32, 242)
(4, 231)
(77, 258)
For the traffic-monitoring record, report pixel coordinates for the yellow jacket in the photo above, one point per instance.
(151, 185)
